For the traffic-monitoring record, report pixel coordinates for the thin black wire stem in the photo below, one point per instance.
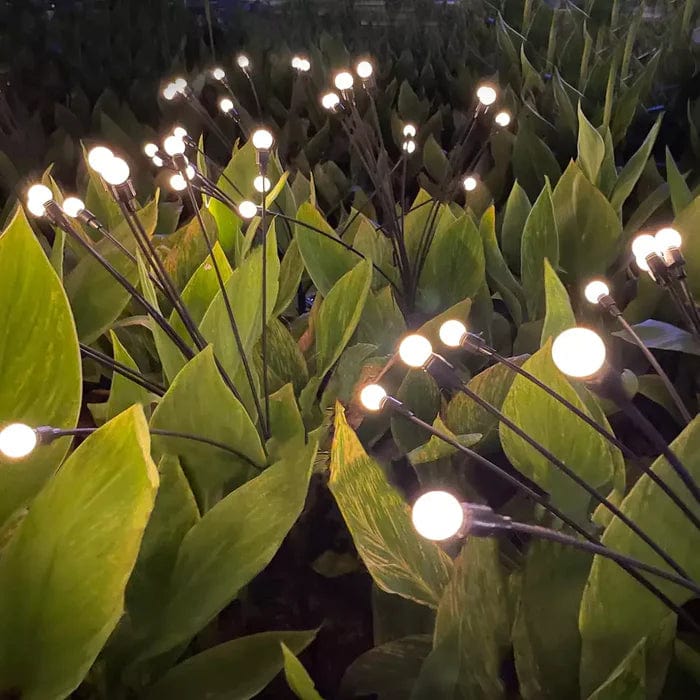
(265, 374)
(686, 294)
(681, 306)
(255, 92)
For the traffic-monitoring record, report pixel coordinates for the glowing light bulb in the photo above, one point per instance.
(372, 397)
(243, 61)
(178, 183)
(415, 350)
(218, 73)
(330, 101)
(36, 208)
(226, 105)
(180, 132)
(486, 94)
(437, 515)
(295, 62)
(40, 194)
(470, 183)
(247, 209)
(409, 131)
(261, 184)
(262, 140)
(304, 65)
(99, 157)
(17, 440)
(503, 119)
(180, 84)
(72, 206)
(170, 91)
(150, 149)
(452, 332)
(642, 264)
(174, 145)
(157, 161)
(343, 80)
(668, 238)
(409, 146)
(116, 172)
(595, 290)
(643, 246)
(190, 172)
(579, 352)
(364, 69)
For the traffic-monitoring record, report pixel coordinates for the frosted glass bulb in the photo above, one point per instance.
(642, 264)
(99, 157)
(157, 161)
(261, 184)
(415, 350)
(218, 73)
(643, 246)
(17, 440)
(180, 84)
(36, 208)
(372, 397)
(39, 193)
(343, 80)
(262, 140)
(169, 91)
(116, 172)
(178, 183)
(668, 238)
(452, 332)
(487, 95)
(243, 61)
(364, 69)
(330, 101)
(190, 172)
(226, 105)
(470, 183)
(295, 62)
(72, 206)
(174, 145)
(247, 209)
(150, 149)
(437, 515)
(503, 119)
(409, 131)
(409, 146)
(304, 65)
(180, 132)
(579, 352)
(595, 290)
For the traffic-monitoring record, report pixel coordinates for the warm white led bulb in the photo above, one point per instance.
(169, 91)
(157, 161)
(178, 183)
(262, 140)
(470, 183)
(579, 352)
(452, 332)
(247, 209)
(218, 73)
(409, 146)
(364, 69)
(343, 80)
(295, 62)
(644, 245)
(487, 95)
(415, 350)
(330, 101)
(243, 61)
(409, 131)
(180, 84)
(36, 208)
(17, 440)
(116, 172)
(150, 149)
(40, 194)
(99, 157)
(503, 119)
(668, 238)
(72, 207)
(596, 289)
(437, 515)
(226, 105)
(190, 172)
(372, 397)
(261, 184)
(304, 65)
(180, 132)
(174, 145)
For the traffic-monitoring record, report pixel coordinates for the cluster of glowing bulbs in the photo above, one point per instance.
(646, 245)
(113, 170)
(409, 146)
(303, 65)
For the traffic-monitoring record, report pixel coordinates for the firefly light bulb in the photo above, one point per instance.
(261, 184)
(579, 352)
(295, 62)
(174, 145)
(409, 146)
(452, 332)
(40, 194)
(180, 132)
(437, 515)
(116, 172)
(304, 65)
(157, 161)
(415, 350)
(218, 73)
(330, 101)
(36, 208)
(99, 157)
(243, 61)
(668, 239)
(644, 245)
(486, 94)
(226, 105)
(470, 183)
(372, 397)
(343, 80)
(503, 119)
(178, 183)
(180, 84)
(409, 131)
(17, 440)
(364, 69)
(72, 206)
(169, 91)
(150, 149)
(247, 209)
(262, 140)
(190, 172)
(595, 290)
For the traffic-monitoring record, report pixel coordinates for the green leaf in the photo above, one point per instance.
(516, 213)
(230, 545)
(628, 680)
(199, 403)
(39, 360)
(124, 392)
(382, 322)
(63, 573)
(591, 148)
(533, 162)
(285, 360)
(560, 315)
(236, 670)
(439, 673)
(410, 107)
(434, 160)
(681, 196)
(420, 393)
(291, 270)
(663, 336)
(653, 387)
(565, 108)
(540, 240)
(286, 424)
(297, 677)
(436, 448)
(454, 267)
(397, 558)
(422, 212)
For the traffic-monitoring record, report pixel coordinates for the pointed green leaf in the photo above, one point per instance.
(123, 392)
(560, 315)
(297, 677)
(681, 196)
(516, 213)
(591, 148)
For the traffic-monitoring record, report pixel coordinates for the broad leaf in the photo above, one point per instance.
(559, 315)
(663, 336)
(516, 212)
(591, 148)
(533, 161)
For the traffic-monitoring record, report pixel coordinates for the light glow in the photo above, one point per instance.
(178, 183)
(452, 332)
(226, 105)
(150, 149)
(218, 73)
(409, 131)
(668, 239)
(415, 350)
(262, 184)
(170, 91)
(364, 69)
(579, 352)
(17, 440)
(343, 80)
(330, 101)
(72, 207)
(644, 245)
(180, 132)
(40, 194)
(503, 119)
(116, 172)
(174, 145)
(99, 158)
(372, 397)
(243, 61)
(437, 515)
(470, 183)
(409, 146)
(262, 140)
(36, 208)
(595, 290)
(487, 95)
(157, 161)
(247, 209)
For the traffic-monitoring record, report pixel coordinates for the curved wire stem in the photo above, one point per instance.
(122, 369)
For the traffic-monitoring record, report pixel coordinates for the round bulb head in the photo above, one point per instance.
(503, 119)
(644, 245)
(343, 80)
(437, 515)
(247, 209)
(452, 332)
(17, 440)
(174, 145)
(295, 62)
(190, 172)
(596, 289)
(642, 264)
(243, 61)
(99, 158)
(579, 352)
(180, 132)
(304, 65)
(36, 208)
(180, 84)
(486, 94)
(470, 183)
(218, 73)
(409, 146)
(72, 206)
(668, 239)
(40, 194)
(261, 184)
(226, 105)
(157, 161)
(170, 91)
(364, 69)
(409, 131)
(150, 149)
(178, 183)
(116, 172)
(262, 140)
(415, 350)
(330, 101)
(372, 397)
